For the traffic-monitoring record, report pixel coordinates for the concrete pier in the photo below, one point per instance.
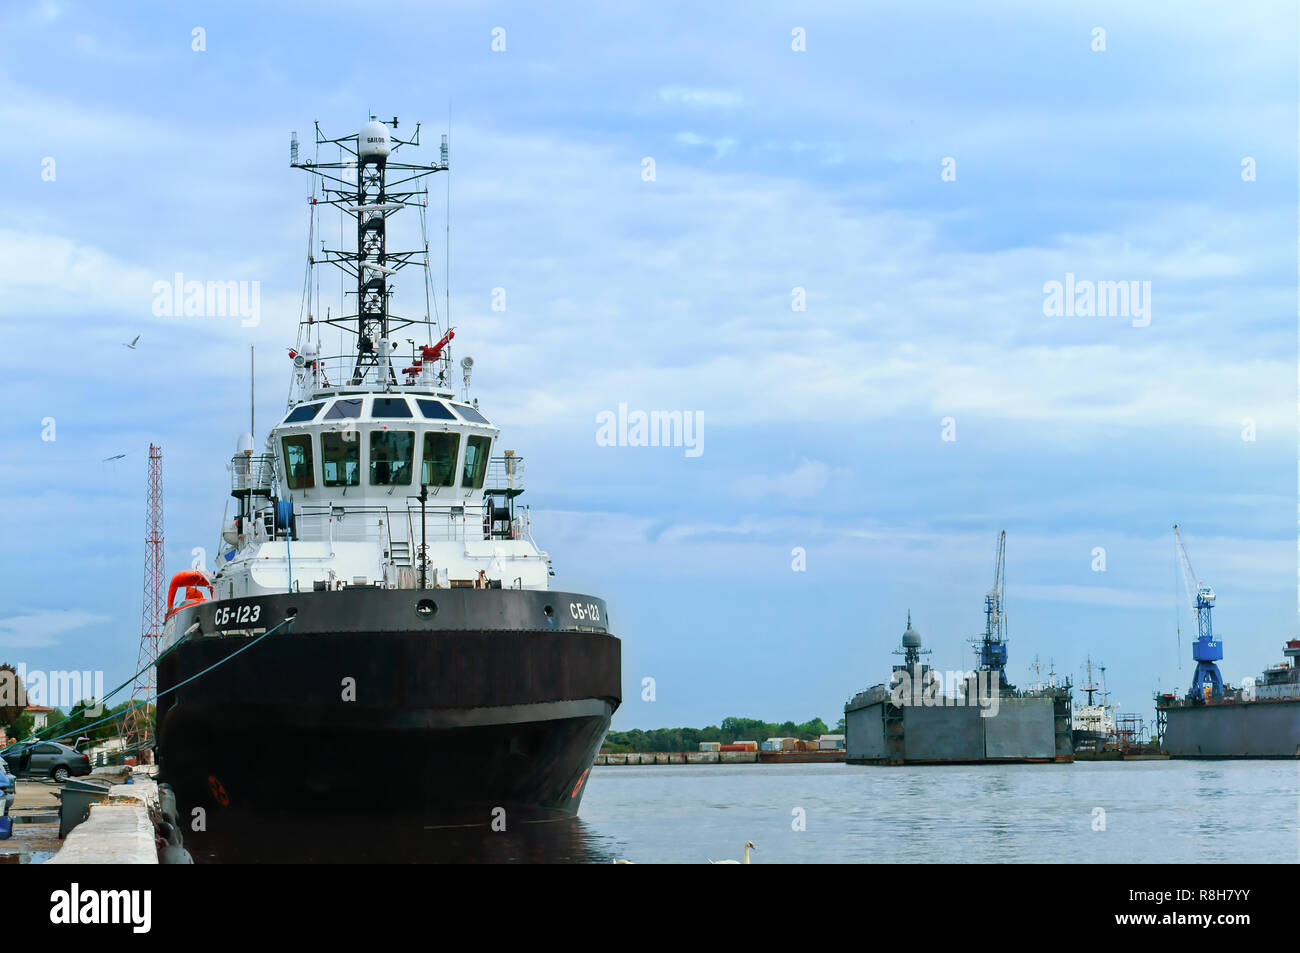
(118, 831)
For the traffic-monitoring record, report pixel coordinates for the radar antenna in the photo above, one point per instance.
(372, 200)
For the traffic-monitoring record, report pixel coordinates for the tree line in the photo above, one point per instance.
(728, 732)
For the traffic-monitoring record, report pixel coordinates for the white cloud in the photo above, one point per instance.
(1096, 595)
(720, 147)
(42, 627)
(704, 98)
(808, 479)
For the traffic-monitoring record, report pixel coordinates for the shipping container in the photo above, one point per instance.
(748, 756)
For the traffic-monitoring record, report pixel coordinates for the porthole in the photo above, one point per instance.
(425, 608)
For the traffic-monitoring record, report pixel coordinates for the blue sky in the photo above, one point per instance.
(775, 169)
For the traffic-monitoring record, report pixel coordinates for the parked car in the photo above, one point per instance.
(51, 758)
(8, 784)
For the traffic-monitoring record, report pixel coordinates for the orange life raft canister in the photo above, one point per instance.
(192, 580)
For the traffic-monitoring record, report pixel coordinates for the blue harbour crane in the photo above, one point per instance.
(1206, 650)
(992, 647)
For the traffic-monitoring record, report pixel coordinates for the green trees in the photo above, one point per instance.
(732, 729)
(80, 717)
(20, 727)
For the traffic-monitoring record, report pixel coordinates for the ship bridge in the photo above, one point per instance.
(389, 489)
(363, 448)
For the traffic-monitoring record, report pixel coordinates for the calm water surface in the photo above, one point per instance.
(1157, 811)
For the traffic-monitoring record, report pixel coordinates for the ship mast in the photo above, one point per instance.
(360, 187)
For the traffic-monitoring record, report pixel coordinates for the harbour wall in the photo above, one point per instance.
(120, 830)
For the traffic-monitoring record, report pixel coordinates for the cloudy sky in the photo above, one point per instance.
(920, 174)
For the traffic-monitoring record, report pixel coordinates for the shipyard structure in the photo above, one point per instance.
(1215, 720)
(980, 722)
(1253, 721)
(978, 718)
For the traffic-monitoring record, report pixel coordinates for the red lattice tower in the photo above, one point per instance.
(137, 728)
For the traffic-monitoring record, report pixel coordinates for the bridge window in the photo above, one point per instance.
(391, 407)
(297, 461)
(440, 452)
(470, 414)
(391, 453)
(476, 458)
(341, 458)
(435, 409)
(344, 409)
(303, 412)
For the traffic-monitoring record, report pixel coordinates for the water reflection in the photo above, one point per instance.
(1158, 811)
(394, 838)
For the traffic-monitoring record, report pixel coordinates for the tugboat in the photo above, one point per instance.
(379, 604)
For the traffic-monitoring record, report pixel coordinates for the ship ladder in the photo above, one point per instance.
(399, 551)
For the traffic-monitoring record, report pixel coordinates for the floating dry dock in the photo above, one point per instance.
(984, 721)
(1262, 722)
(1026, 729)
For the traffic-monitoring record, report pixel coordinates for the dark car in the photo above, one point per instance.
(46, 758)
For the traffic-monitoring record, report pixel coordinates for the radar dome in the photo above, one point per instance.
(911, 638)
(372, 141)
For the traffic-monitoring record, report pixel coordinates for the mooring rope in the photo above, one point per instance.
(168, 651)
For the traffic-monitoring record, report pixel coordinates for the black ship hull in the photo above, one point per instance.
(478, 706)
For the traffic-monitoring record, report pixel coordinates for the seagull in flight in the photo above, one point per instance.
(132, 344)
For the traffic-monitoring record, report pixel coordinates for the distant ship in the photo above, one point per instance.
(378, 551)
(1093, 724)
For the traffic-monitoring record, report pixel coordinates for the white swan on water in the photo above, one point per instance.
(749, 845)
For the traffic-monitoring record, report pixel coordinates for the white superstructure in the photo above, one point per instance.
(1091, 717)
(377, 475)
